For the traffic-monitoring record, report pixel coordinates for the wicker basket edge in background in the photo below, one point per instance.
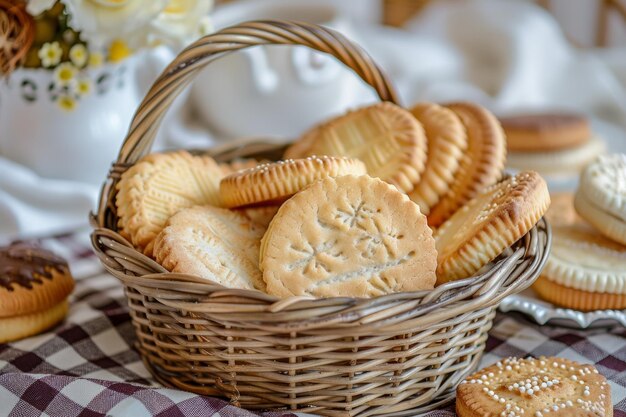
(398, 354)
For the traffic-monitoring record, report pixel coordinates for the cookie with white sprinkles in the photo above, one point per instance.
(543, 387)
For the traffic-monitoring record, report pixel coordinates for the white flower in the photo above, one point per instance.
(65, 74)
(83, 87)
(100, 21)
(181, 22)
(78, 55)
(50, 54)
(37, 7)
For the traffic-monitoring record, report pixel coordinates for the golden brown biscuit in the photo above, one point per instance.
(585, 270)
(482, 163)
(348, 236)
(213, 243)
(545, 132)
(158, 186)
(34, 286)
(482, 229)
(273, 183)
(544, 387)
(447, 140)
(387, 138)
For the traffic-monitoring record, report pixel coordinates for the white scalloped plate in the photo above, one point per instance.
(543, 312)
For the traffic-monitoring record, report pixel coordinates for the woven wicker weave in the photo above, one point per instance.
(398, 354)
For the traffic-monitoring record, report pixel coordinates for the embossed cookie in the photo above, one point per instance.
(158, 186)
(601, 196)
(387, 138)
(273, 183)
(353, 236)
(482, 229)
(447, 140)
(482, 164)
(544, 387)
(585, 270)
(213, 243)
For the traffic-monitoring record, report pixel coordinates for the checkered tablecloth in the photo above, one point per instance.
(87, 366)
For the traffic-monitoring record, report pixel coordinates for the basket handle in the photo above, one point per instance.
(190, 61)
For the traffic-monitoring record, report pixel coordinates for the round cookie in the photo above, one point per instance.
(482, 229)
(601, 196)
(544, 387)
(348, 236)
(158, 186)
(34, 286)
(273, 183)
(559, 163)
(585, 271)
(546, 132)
(447, 140)
(387, 138)
(213, 243)
(481, 165)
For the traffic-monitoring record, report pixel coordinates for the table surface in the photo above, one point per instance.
(87, 366)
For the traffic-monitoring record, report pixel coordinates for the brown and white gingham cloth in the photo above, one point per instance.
(87, 366)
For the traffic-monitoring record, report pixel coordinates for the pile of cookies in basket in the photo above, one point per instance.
(379, 200)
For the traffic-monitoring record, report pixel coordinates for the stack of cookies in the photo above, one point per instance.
(553, 144)
(586, 269)
(379, 200)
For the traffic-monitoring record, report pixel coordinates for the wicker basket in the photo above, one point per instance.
(399, 354)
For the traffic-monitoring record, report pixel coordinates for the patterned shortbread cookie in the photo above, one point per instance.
(348, 236)
(585, 270)
(482, 229)
(158, 186)
(387, 138)
(275, 182)
(601, 196)
(482, 164)
(447, 140)
(543, 387)
(213, 243)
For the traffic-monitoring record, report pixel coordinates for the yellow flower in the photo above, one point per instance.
(67, 103)
(95, 59)
(78, 55)
(65, 74)
(83, 87)
(118, 51)
(50, 54)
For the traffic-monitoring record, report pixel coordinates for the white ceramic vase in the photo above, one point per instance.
(66, 134)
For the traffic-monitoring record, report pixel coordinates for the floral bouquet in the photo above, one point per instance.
(70, 36)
